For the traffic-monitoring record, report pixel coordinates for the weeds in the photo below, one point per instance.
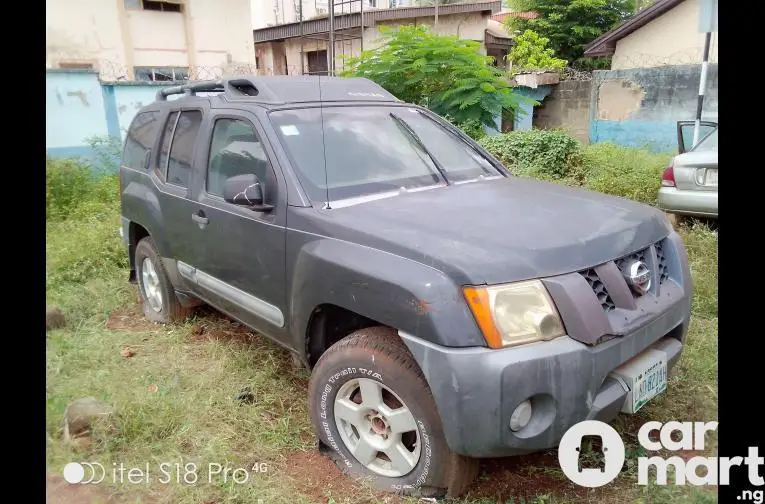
(175, 397)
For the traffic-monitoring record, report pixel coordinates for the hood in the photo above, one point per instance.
(503, 230)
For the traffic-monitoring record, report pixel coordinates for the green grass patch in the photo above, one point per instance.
(175, 398)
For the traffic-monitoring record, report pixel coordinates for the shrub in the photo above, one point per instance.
(67, 183)
(531, 53)
(547, 154)
(447, 74)
(471, 127)
(623, 171)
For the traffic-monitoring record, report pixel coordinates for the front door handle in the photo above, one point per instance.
(200, 219)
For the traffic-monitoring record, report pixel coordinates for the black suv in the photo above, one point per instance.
(447, 310)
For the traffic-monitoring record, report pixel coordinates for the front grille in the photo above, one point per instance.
(661, 267)
(641, 255)
(661, 259)
(599, 289)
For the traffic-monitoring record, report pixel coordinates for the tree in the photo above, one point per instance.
(447, 74)
(571, 24)
(530, 52)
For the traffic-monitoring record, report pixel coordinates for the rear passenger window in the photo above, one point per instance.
(164, 149)
(182, 148)
(140, 140)
(236, 150)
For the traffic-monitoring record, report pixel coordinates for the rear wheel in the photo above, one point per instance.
(158, 298)
(376, 418)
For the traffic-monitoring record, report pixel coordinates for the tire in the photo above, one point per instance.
(375, 359)
(158, 298)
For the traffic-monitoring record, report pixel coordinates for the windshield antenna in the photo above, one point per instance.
(324, 147)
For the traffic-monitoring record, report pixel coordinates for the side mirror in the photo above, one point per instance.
(245, 190)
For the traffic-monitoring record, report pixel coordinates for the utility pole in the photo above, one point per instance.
(331, 43)
(436, 21)
(302, 54)
(707, 25)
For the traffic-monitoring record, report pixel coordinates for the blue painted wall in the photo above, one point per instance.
(670, 94)
(79, 106)
(74, 104)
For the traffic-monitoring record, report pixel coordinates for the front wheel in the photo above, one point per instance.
(373, 410)
(160, 303)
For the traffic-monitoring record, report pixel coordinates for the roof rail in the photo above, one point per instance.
(190, 89)
(235, 86)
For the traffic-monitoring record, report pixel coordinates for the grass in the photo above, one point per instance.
(175, 397)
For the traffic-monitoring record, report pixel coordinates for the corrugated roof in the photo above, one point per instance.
(353, 20)
(606, 43)
(501, 16)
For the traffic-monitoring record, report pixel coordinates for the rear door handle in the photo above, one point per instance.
(200, 219)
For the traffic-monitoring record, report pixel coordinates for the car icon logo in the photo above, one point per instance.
(595, 457)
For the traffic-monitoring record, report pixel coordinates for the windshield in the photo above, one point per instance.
(371, 150)
(708, 143)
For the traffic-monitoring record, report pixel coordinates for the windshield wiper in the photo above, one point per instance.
(411, 133)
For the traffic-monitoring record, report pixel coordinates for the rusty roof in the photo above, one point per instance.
(353, 20)
(606, 43)
(501, 16)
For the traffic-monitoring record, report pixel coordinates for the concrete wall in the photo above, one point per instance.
(671, 39)
(78, 107)
(566, 107)
(82, 31)
(118, 35)
(641, 107)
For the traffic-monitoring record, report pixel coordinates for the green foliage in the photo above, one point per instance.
(530, 52)
(571, 24)
(107, 151)
(447, 74)
(547, 154)
(622, 171)
(72, 186)
(472, 128)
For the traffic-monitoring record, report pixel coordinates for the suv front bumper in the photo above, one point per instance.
(477, 389)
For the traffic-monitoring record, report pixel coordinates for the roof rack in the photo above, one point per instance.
(237, 86)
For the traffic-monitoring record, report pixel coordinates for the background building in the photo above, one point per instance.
(281, 50)
(149, 39)
(665, 33)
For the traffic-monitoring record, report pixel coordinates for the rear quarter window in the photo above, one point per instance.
(140, 140)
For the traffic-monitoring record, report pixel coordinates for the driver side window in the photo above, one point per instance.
(236, 149)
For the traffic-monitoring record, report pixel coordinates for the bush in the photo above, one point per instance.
(447, 74)
(546, 154)
(471, 127)
(67, 183)
(623, 171)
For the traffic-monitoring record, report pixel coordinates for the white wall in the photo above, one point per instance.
(158, 38)
(115, 39)
(671, 39)
(82, 31)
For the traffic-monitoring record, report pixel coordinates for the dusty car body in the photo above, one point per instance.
(448, 310)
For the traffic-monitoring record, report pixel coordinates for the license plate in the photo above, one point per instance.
(650, 384)
(711, 177)
(645, 377)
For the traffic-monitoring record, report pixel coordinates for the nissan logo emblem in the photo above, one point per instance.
(638, 276)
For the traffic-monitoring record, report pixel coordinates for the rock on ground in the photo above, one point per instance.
(80, 415)
(54, 318)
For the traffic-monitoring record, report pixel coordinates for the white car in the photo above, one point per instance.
(689, 183)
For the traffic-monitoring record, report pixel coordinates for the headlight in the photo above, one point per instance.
(514, 314)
